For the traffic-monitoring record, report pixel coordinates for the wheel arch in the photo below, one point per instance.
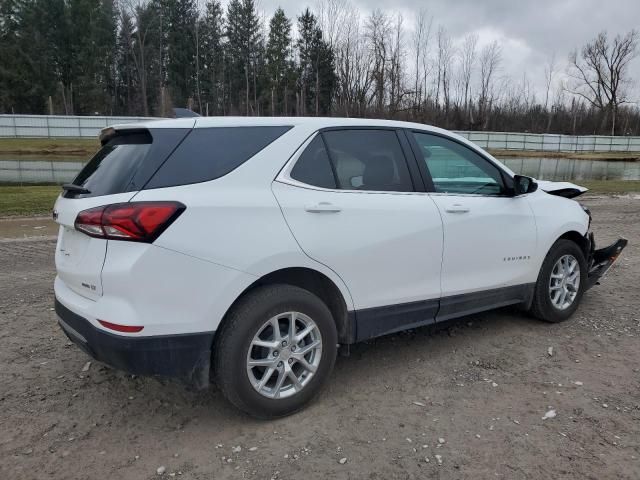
(578, 239)
(317, 283)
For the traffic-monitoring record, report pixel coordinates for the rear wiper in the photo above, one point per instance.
(72, 187)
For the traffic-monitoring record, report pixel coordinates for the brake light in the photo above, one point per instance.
(135, 221)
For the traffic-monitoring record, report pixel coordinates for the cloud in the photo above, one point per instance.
(530, 33)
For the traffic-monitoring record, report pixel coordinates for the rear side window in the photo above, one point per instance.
(368, 159)
(114, 165)
(210, 153)
(313, 167)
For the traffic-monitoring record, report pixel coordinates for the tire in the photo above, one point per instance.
(254, 313)
(543, 307)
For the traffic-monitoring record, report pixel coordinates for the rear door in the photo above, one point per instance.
(351, 204)
(489, 235)
(114, 174)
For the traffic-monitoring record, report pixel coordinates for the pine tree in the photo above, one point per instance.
(316, 77)
(179, 43)
(244, 45)
(279, 65)
(125, 93)
(88, 74)
(146, 55)
(211, 58)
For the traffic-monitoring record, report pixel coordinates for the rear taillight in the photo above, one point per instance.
(136, 221)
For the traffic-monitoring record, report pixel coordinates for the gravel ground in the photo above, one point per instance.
(462, 401)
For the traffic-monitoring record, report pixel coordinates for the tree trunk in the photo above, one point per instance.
(246, 78)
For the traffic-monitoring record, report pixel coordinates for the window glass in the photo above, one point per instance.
(113, 166)
(313, 167)
(210, 153)
(368, 160)
(455, 168)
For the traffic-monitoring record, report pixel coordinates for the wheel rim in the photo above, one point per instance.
(284, 355)
(564, 282)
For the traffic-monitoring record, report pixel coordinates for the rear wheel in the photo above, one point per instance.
(561, 282)
(275, 351)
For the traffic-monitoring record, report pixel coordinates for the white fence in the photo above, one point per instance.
(549, 142)
(50, 126)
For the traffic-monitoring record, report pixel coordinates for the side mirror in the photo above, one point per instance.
(522, 185)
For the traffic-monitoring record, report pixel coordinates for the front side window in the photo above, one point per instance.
(455, 168)
(368, 159)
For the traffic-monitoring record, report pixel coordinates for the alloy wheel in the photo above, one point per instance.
(564, 282)
(284, 355)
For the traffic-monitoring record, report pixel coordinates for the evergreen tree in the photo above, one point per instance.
(126, 98)
(244, 46)
(211, 58)
(88, 63)
(317, 77)
(28, 51)
(146, 54)
(179, 48)
(279, 63)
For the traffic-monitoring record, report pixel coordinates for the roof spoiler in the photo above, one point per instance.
(184, 113)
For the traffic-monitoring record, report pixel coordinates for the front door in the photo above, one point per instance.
(489, 235)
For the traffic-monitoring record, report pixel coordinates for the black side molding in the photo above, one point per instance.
(375, 322)
(469, 303)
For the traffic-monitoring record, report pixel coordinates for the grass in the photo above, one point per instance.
(628, 156)
(609, 186)
(27, 201)
(38, 200)
(48, 148)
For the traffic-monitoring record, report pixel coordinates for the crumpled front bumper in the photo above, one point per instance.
(600, 260)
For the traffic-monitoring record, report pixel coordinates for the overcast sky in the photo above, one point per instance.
(530, 32)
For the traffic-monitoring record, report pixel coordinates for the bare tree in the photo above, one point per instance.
(600, 72)
(378, 32)
(420, 45)
(549, 75)
(445, 58)
(395, 65)
(490, 58)
(332, 17)
(467, 64)
(353, 67)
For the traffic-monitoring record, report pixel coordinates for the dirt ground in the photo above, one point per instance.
(462, 401)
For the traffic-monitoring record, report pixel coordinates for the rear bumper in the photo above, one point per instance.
(601, 260)
(186, 356)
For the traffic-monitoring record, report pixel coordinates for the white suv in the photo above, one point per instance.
(247, 250)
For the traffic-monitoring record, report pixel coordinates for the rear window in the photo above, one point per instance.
(114, 165)
(127, 161)
(210, 153)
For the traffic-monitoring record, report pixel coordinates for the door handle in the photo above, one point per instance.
(322, 207)
(457, 208)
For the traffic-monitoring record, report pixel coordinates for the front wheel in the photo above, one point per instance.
(275, 351)
(561, 282)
